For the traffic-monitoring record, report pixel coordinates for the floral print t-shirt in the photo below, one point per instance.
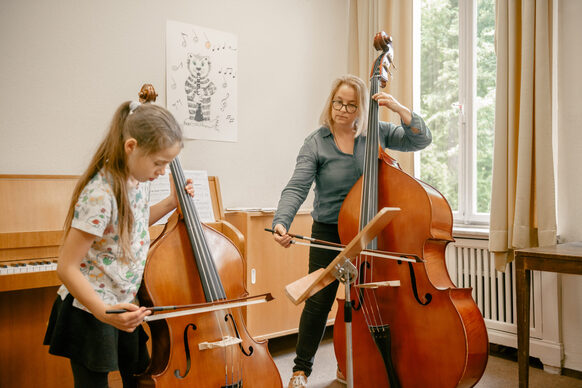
(115, 280)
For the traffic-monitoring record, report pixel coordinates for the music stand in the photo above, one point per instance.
(342, 269)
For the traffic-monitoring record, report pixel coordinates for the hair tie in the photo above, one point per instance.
(133, 106)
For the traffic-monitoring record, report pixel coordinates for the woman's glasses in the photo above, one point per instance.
(338, 105)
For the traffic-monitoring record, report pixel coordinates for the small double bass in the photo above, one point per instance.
(190, 263)
(425, 332)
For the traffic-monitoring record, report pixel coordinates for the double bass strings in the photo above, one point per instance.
(213, 290)
(371, 310)
(210, 279)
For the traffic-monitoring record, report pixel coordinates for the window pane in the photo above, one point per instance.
(485, 102)
(439, 61)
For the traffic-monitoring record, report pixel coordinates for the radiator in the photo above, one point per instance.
(470, 264)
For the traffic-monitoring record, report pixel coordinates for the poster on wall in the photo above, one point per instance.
(201, 75)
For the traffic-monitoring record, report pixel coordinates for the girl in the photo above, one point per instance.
(333, 157)
(106, 244)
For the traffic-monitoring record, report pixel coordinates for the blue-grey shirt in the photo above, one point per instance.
(335, 172)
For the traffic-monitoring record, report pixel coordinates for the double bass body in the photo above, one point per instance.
(211, 349)
(438, 336)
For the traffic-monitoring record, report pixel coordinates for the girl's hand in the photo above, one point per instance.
(125, 321)
(387, 100)
(281, 236)
(170, 203)
(190, 187)
(174, 196)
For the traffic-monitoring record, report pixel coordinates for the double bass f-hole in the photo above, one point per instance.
(365, 265)
(427, 296)
(187, 351)
(251, 350)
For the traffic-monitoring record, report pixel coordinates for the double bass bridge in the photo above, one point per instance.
(223, 343)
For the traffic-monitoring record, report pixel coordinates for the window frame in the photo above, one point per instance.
(467, 214)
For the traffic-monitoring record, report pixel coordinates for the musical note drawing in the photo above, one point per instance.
(218, 48)
(173, 84)
(177, 103)
(207, 44)
(184, 36)
(175, 68)
(226, 72)
(223, 102)
(195, 37)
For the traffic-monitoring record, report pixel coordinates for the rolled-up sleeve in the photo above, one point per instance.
(402, 138)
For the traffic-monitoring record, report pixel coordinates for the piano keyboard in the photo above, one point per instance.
(21, 267)
(18, 275)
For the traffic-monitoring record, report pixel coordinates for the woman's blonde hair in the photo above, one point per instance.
(154, 128)
(362, 98)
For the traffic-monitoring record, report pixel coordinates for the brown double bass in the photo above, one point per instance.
(190, 263)
(425, 332)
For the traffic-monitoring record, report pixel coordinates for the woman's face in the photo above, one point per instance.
(347, 95)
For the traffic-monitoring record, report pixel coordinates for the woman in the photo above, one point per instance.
(333, 157)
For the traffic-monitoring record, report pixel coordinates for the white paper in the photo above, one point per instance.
(160, 189)
(201, 81)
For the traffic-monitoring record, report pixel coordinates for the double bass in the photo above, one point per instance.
(191, 263)
(425, 332)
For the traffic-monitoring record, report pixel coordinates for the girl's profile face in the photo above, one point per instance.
(145, 167)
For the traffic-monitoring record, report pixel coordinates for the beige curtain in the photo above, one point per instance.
(523, 197)
(366, 18)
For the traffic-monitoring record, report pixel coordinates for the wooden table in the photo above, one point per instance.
(563, 258)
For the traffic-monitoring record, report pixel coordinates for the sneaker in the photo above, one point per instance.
(298, 380)
(339, 376)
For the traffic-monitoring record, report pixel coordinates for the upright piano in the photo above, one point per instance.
(32, 212)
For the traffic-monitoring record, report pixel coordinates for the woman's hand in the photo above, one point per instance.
(125, 321)
(281, 236)
(387, 100)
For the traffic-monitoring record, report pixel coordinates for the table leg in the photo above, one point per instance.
(523, 303)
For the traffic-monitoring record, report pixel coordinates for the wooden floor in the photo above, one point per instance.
(501, 370)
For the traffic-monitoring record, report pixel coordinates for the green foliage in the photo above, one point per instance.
(440, 163)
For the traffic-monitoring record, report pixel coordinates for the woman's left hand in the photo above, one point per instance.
(387, 100)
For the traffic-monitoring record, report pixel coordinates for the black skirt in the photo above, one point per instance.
(79, 336)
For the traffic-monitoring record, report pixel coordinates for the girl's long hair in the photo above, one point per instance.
(155, 129)
(362, 97)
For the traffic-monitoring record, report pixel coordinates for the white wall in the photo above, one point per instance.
(66, 65)
(569, 177)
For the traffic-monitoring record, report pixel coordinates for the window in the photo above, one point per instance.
(456, 73)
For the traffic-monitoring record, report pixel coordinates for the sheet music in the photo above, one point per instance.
(160, 189)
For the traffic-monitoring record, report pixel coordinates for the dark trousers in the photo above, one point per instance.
(86, 378)
(316, 309)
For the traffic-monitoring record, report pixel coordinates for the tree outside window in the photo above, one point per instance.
(457, 100)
